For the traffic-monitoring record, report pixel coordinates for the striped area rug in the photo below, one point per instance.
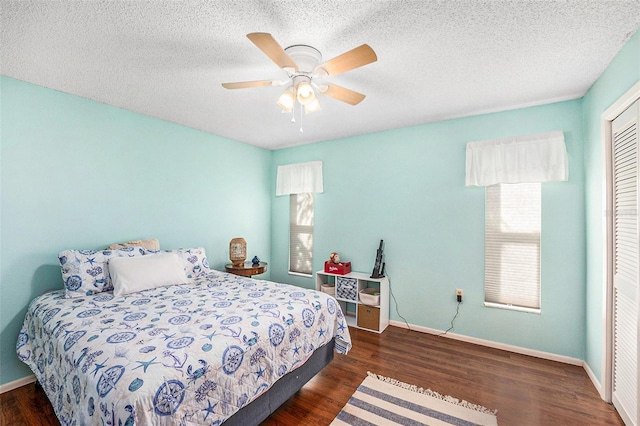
(384, 401)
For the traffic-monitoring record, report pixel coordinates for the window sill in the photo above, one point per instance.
(513, 308)
(300, 274)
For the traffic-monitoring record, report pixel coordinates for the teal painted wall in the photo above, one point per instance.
(406, 186)
(622, 73)
(80, 174)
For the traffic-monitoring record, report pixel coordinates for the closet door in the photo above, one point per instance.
(626, 297)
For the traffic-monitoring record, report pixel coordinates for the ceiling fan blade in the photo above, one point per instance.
(245, 84)
(271, 48)
(355, 58)
(340, 93)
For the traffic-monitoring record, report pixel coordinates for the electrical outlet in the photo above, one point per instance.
(459, 294)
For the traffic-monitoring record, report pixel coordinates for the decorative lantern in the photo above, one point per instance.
(237, 251)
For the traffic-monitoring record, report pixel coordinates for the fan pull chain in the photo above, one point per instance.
(301, 131)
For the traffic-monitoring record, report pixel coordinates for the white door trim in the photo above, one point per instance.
(624, 102)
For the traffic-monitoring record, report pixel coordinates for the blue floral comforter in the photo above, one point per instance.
(184, 354)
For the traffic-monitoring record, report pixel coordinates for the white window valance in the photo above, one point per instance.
(299, 178)
(519, 159)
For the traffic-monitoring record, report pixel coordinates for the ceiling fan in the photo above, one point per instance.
(302, 65)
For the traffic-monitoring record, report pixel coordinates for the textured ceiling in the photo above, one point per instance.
(436, 59)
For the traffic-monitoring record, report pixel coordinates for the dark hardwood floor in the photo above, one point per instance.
(524, 390)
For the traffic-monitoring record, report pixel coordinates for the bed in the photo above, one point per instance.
(218, 348)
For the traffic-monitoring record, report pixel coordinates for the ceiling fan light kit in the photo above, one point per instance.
(312, 106)
(302, 64)
(304, 91)
(287, 99)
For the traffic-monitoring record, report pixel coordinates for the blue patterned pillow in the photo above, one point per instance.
(194, 260)
(86, 272)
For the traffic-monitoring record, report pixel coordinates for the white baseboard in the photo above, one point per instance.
(492, 344)
(594, 380)
(17, 383)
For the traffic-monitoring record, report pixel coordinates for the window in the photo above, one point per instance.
(301, 233)
(512, 246)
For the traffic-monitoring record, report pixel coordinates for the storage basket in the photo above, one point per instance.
(329, 289)
(347, 288)
(370, 296)
(368, 317)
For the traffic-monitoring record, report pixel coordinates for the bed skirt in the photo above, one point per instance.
(283, 389)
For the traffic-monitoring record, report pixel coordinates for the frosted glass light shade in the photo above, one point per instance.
(312, 106)
(287, 99)
(305, 93)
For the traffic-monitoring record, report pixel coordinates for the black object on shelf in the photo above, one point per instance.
(378, 268)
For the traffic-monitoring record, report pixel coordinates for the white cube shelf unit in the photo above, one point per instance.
(358, 314)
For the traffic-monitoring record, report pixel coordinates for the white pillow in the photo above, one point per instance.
(133, 274)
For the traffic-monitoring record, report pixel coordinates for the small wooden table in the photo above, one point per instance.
(247, 269)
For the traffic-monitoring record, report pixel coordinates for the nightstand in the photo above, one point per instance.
(247, 269)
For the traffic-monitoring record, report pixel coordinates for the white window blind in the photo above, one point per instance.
(512, 246)
(301, 233)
